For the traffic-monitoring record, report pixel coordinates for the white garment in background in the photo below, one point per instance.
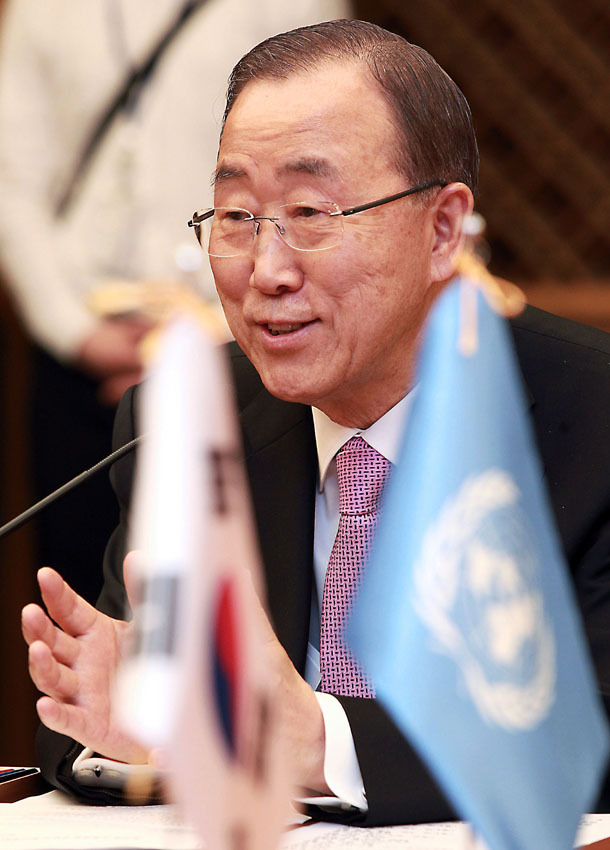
(60, 62)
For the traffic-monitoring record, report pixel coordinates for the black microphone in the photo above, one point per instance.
(20, 520)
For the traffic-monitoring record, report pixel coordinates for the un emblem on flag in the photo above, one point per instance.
(477, 588)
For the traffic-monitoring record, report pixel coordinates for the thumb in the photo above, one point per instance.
(132, 573)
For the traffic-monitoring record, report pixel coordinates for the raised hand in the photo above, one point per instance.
(73, 663)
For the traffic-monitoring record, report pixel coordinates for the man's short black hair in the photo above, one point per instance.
(432, 118)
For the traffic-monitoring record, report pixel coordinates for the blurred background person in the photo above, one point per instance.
(101, 107)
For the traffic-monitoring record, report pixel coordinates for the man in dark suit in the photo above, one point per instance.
(327, 301)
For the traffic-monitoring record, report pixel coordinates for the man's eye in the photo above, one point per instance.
(236, 215)
(306, 212)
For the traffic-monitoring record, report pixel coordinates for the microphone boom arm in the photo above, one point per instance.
(20, 520)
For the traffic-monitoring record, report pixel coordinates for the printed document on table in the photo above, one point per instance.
(55, 821)
(426, 836)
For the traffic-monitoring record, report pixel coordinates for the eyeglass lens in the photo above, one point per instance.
(306, 227)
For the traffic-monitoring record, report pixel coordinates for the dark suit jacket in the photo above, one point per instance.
(566, 368)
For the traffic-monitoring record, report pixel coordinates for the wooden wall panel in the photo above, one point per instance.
(537, 76)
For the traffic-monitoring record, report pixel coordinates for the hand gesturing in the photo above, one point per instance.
(73, 663)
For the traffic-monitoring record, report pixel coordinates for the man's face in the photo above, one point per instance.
(351, 314)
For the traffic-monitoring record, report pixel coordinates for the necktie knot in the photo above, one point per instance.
(361, 474)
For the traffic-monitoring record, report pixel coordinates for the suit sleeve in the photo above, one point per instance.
(592, 585)
(398, 786)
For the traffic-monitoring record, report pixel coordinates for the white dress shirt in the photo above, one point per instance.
(341, 769)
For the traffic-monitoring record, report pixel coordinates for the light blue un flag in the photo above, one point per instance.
(487, 673)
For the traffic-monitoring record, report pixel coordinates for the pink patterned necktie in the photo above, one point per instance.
(361, 473)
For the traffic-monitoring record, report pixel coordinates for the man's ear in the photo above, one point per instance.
(452, 204)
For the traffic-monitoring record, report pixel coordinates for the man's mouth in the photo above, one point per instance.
(277, 330)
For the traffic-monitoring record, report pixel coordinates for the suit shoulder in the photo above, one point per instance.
(537, 329)
(564, 364)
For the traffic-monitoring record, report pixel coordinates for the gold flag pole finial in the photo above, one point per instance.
(502, 296)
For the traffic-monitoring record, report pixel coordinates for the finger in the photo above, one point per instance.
(132, 576)
(35, 625)
(75, 722)
(66, 719)
(67, 608)
(49, 676)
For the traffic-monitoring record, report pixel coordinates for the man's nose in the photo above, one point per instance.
(276, 266)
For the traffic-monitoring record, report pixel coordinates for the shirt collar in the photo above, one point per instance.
(385, 435)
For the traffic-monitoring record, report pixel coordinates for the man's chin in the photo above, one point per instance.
(296, 379)
(296, 391)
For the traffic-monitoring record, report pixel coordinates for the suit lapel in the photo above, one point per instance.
(281, 461)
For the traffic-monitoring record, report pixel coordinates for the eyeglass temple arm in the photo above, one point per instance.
(197, 218)
(362, 207)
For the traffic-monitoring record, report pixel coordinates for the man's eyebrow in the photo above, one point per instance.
(223, 173)
(313, 165)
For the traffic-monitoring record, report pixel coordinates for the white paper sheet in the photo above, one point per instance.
(437, 836)
(593, 828)
(55, 821)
